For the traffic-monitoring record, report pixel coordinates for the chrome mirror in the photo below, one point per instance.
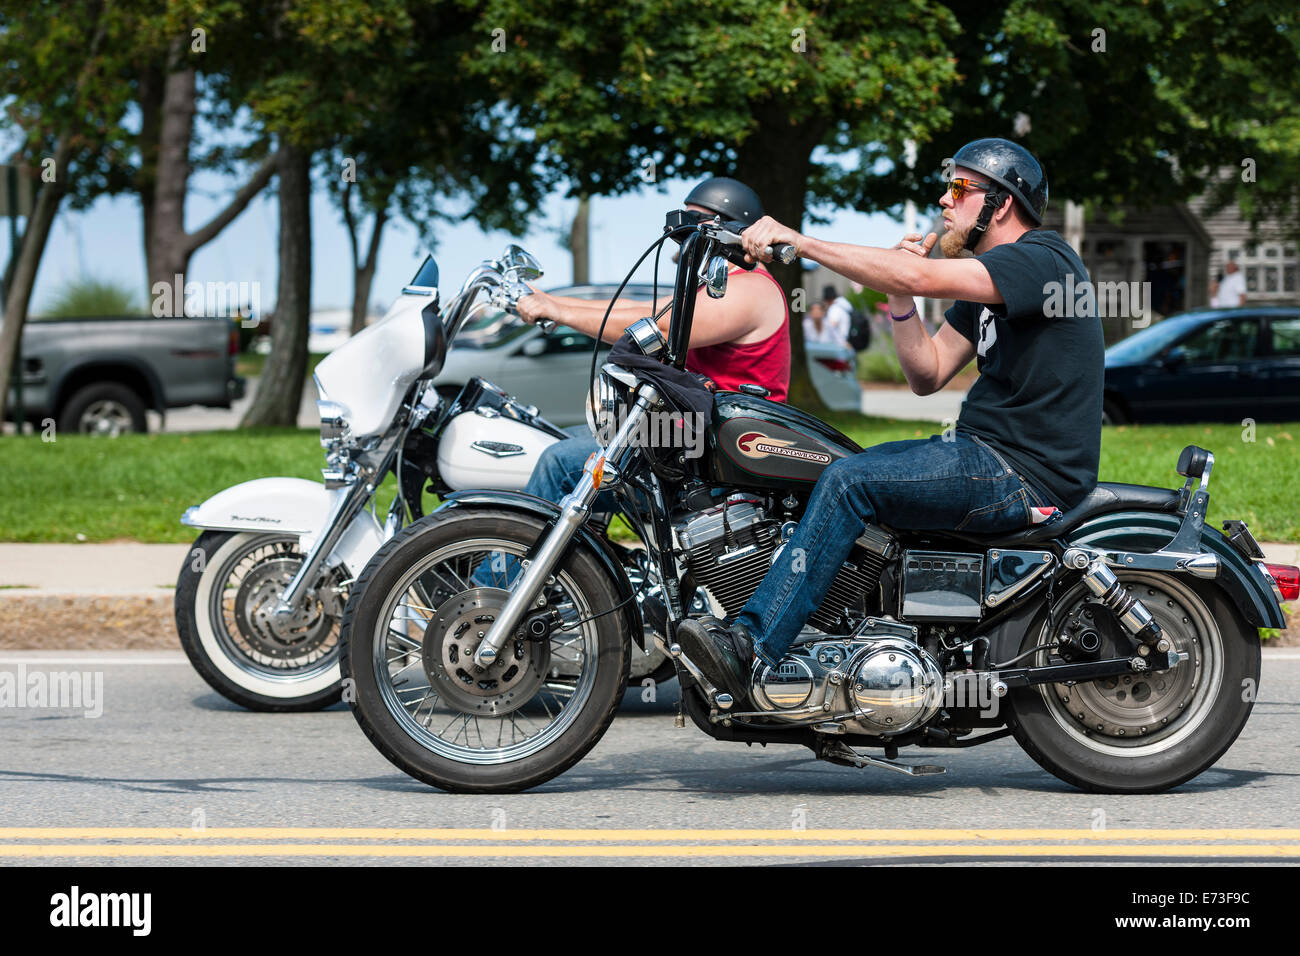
(521, 262)
(715, 277)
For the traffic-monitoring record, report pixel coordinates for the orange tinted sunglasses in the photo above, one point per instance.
(959, 186)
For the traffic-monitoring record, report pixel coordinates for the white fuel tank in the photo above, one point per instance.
(489, 453)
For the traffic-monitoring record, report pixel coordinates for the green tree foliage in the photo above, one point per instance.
(619, 94)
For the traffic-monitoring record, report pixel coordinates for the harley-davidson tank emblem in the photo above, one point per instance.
(758, 445)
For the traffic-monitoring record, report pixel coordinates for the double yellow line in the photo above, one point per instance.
(467, 843)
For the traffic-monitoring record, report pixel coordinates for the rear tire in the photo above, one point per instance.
(413, 746)
(103, 408)
(1157, 730)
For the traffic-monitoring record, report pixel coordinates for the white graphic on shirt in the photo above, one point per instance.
(988, 333)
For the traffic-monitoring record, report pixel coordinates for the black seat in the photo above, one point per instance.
(1108, 496)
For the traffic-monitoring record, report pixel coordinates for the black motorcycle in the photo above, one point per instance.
(488, 643)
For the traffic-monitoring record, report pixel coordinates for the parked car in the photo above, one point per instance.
(1210, 365)
(550, 370)
(99, 376)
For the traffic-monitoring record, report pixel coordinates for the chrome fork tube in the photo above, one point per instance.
(574, 510)
(346, 507)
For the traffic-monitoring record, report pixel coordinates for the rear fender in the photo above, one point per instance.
(601, 549)
(1147, 531)
(289, 506)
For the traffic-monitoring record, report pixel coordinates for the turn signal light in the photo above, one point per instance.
(598, 471)
(1287, 579)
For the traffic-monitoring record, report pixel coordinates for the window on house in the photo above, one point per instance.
(1270, 269)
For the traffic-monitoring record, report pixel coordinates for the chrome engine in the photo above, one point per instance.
(877, 682)
(731, 546)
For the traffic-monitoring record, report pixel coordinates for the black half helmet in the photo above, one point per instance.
(1011, 166)
(729, 198)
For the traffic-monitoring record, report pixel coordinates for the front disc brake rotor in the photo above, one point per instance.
(452, 636)
(291, 636)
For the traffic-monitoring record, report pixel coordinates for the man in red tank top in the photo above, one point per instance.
(744, 337)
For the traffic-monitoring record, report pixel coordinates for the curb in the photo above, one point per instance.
(54, 621)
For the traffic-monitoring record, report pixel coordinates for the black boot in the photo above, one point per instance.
(725, 655)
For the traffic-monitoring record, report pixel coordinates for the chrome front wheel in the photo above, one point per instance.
(420, 609)
(226, 597)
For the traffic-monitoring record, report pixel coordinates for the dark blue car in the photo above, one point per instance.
(1211, 365)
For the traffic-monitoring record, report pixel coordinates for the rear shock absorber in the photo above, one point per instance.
(1102, 582)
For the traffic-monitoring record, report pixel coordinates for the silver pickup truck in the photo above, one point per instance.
(99, 376)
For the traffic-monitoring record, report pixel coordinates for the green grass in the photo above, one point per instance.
(252, 364)
(137, 486)
(1252, 481)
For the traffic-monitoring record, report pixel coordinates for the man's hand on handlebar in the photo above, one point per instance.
(763, 236)
(535, 306)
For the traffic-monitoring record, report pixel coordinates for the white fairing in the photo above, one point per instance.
(292, 506)
(464, 466)
(370, 373)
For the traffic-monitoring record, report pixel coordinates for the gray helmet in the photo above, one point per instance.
(729, 198)
(1011, 166)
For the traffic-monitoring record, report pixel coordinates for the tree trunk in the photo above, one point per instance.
(775, 162)
(163, 189)
(169, 249)
(363, 271)
(151, 104)
(579, 243)
(35, 235)
(280, 391)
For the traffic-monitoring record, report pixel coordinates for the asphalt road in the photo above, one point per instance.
(170, 766)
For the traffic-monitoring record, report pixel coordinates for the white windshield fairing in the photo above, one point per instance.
(370, 373)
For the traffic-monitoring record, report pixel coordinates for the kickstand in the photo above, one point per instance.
(836, 751)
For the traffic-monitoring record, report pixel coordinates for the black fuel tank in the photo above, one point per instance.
(755, 443)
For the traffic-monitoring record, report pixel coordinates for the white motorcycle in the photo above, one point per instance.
(261, 594)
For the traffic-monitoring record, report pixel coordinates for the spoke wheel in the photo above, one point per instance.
(436, 618)
(226, 595)
(419, 612)
(242, 608)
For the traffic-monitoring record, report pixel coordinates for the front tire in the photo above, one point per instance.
(402, 632)
(1146, 733)
(225, 589)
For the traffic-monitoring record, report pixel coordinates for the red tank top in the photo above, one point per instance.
(765, 363)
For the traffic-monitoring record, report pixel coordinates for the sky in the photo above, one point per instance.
(105, 241)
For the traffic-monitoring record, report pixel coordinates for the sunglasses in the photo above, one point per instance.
(959, 186)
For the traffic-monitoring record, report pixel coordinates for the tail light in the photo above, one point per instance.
(233, 348)
(1286, 580)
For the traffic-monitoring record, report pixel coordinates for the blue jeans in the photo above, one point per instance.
(924, 485)
(556, 474)
(558, 470)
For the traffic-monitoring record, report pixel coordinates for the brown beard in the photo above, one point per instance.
(953, 242)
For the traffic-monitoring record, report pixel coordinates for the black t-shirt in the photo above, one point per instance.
(1041, 359)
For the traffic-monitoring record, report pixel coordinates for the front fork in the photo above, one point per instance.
(574, 510)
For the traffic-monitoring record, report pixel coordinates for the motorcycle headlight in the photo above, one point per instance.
(333, 422)
(602, 406)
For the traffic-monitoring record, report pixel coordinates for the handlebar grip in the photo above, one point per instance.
(783, 251)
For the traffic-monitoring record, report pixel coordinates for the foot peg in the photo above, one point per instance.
(841, 753)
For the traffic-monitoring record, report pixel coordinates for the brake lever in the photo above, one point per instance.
(784, 252)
